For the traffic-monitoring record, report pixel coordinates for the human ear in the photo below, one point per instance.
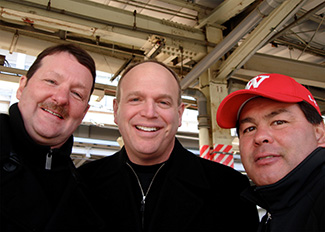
(181, 109)
(86, 110)
(115, 108)
(320, 134)
(22, 84)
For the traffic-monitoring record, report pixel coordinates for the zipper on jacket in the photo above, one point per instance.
(267, 221)
(144, 195)
(48, 161)
(269, 218)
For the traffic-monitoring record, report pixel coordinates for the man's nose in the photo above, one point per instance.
(263, 135)
(61, 96)
(149, 109)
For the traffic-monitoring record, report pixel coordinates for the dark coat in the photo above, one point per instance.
(35, 199)
(297, 201)
(188, 194)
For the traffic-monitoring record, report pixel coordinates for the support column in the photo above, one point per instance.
(213, 34)
(220, 147)
(205, 136)
(221, 138)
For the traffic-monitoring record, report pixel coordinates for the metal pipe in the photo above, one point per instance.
(200, 98)
(203, 118)
(264, 9)
(296, 22)
(266, 39)
(126, 63)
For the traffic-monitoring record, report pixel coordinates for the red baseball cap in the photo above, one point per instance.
(273, 86)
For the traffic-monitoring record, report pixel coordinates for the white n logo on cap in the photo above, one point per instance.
(312, 100)
(256, 81)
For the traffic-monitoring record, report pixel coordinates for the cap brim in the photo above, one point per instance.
(229, 107)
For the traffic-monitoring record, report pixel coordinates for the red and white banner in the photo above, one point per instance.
(205, 152)
(222, 154)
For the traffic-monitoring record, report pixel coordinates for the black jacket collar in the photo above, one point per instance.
(33, 153)
(290, 189)
(185, 172)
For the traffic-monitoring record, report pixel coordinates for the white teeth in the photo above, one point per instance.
(146, 128)
(55, 114)
(270, 156)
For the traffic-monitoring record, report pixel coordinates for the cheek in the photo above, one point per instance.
(173, 122)
(122, 116)
(298, 146)
(78, 111)
(243, 154)
(171, 117)
(244, 149)
(241, 146)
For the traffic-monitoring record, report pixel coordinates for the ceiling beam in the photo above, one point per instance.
(231, 40)
(224, 12)
(76, 16)
(189, 5)
(259, 36)
(302, 70)
(105, 24)
(260, 64)
(302, 18)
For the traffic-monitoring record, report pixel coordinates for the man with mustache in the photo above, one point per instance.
(282, 146)
(153, 183)
(40, 189)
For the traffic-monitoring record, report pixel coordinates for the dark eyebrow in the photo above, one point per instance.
(275, 113)
(268, 116)
(246, 120)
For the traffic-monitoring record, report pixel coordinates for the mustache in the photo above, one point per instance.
(55, 108)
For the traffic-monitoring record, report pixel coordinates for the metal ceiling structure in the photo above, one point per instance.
(211, 44)
(175, 32)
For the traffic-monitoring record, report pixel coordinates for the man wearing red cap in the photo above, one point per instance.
(282, 146)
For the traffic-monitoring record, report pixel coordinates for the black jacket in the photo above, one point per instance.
(296, 202)
(188, 194)
(35, 199)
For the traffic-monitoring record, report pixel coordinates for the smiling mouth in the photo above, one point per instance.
(147, 129)
(266, 157)
(51, 112)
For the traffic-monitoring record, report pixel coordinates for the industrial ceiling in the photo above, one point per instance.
(209, 43)
(231, 40)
